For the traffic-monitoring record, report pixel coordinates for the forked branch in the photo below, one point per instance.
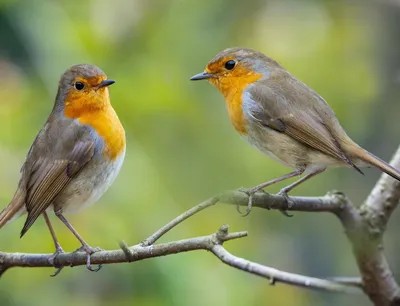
(364, 226)
(214, 243)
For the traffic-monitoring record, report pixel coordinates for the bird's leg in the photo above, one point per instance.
(85, 247)
(53, 234)
(253, 190)
(59, 249)
(284, 191)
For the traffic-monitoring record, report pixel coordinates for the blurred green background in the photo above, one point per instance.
(181, 146)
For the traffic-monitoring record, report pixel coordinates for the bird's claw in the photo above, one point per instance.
(250, 192)
(59, 269)
(58, 251)
(289, 202)
(89, 266)
(89, 251)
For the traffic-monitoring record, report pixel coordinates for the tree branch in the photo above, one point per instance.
(126, 254)
(275, 275)
(211, 243)
(384, 198)
(365, 227)
(332, 202)
(166, 228)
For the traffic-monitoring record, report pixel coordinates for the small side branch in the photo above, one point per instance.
(352, 281)
(166, 228)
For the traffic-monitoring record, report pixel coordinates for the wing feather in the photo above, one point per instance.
(290, 107)
(49, 177)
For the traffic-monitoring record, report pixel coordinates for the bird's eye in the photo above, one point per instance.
(79, 85)
(230, 64)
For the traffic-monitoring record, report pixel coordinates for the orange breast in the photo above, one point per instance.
(234, 105)
(95, 109)
(107, 125)
(232, 89)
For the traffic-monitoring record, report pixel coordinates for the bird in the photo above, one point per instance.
(75, 157)
(284, 119)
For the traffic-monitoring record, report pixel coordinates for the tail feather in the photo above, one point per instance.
(371, 159)
(13, 209)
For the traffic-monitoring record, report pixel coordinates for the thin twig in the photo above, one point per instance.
(276, 275)
(166, 228)
(352, 281)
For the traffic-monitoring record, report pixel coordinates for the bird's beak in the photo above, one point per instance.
(105, 83)
(201, 76)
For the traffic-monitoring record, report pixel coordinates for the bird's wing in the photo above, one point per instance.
(288, 106)
(53, 160)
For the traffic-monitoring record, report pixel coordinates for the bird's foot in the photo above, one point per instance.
(250, 192)
(289, 202)
(58, 251)
(89, 251)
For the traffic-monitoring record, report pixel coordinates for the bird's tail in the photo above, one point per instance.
(372, 160)
(13, 209)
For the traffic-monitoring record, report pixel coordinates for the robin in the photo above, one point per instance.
(75, 157)
(283, 118)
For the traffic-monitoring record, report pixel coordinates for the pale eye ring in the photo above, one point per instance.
(79, 85)
(229, 65)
